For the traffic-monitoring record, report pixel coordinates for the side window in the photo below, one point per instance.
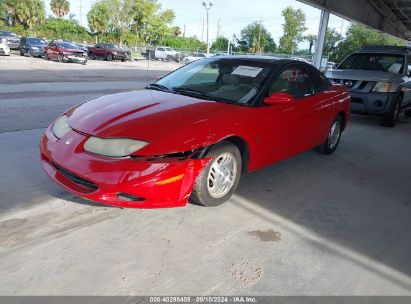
(323, 83)
(160, 49)
(294, 80)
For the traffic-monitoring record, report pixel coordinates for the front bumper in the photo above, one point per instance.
(375, 103)
(36, 53)
(75, 59)
(103, 179)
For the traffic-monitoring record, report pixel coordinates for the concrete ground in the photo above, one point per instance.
(310, 225)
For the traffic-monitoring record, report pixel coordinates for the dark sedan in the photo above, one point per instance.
(32, 46)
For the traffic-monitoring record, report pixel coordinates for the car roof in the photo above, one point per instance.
(388, 49)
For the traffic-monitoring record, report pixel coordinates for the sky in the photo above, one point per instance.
(232, 15)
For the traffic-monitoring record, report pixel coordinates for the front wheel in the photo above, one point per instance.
(390, 119)
(109, 57)
(333, 138)
(60, 58)
(219, 179)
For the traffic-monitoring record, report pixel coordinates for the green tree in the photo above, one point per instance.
(10, 10)
(184, 43)
(30, 12)
(256, 38)
(60, 8)
(221, 44)
(332, 38)
(62, 29)
(98, 18)
(3, 13)
(294, 28)
(358, 36)
(311, 40)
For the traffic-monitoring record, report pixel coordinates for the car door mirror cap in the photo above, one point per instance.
(279, 98)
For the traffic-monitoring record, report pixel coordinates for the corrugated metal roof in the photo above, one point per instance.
(389, 16)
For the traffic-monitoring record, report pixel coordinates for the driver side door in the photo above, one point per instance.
(293, 127)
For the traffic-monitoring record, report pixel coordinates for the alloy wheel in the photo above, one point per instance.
(222, 175)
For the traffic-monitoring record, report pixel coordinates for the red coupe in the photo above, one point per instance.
(193, 133)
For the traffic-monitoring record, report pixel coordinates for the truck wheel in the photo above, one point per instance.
(218, 180)
(390, 119)
(109, 57)
(168, 59)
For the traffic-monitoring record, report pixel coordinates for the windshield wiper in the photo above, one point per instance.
(194, 93)
(158, 87)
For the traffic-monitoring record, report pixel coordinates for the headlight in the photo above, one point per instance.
(115, 53)
(114, 147)
(60, 127)
(385, 87)
(34, 47)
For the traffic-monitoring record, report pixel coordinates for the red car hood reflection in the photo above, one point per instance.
(170, 122)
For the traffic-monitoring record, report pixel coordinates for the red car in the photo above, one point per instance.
(65, 52)
(192, 134)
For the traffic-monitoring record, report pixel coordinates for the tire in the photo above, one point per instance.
(46, 56)
(60, 58)
(333, 138)
(91, 56)
(390, 119)
(84, 62)
(211, 190)
(21, 52)
(407, 113)
(109, 57)
(168, 59)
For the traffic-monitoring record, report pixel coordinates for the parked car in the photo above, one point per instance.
(165, 53)
(379, 81)
(108, 52)
(4, 48)
(193, 133)
(12, 39)
(32, 46)
(65, 52)
(193, 57)
(85, 47)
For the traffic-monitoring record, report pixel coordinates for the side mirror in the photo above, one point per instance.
(278, 98)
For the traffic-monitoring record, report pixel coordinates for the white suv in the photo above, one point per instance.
(165, 53)
(4, 48)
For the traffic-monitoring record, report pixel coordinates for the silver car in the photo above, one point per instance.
(379, 81)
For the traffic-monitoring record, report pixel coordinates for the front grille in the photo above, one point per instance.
(78, 54)
(76, 179)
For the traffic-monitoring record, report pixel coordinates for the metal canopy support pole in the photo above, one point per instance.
(325, 16)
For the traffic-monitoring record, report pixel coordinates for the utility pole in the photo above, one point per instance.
(218, 28)
(184, 33)
(202, 32)
(259, 39)
(81, 14)
(207, 8)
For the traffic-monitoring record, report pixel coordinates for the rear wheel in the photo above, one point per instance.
(390, 119)
(219, 179)
(333, 138)
(92, 57)
(109, 57)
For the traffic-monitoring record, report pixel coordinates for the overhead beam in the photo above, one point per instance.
(373, 13)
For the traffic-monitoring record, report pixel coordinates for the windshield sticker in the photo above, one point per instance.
(245, 70)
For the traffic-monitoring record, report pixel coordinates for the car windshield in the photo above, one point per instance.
(35, 41)
(8, 33)
(376, 62)
(68, 45)
(225, 80)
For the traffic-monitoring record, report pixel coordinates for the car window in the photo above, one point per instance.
(294, 80)
(376, 62)
(226, 80)
(160, 49)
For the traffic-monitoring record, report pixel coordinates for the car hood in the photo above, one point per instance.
(366, 75)
(169, 122)
(73, 51)
(37, 45)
